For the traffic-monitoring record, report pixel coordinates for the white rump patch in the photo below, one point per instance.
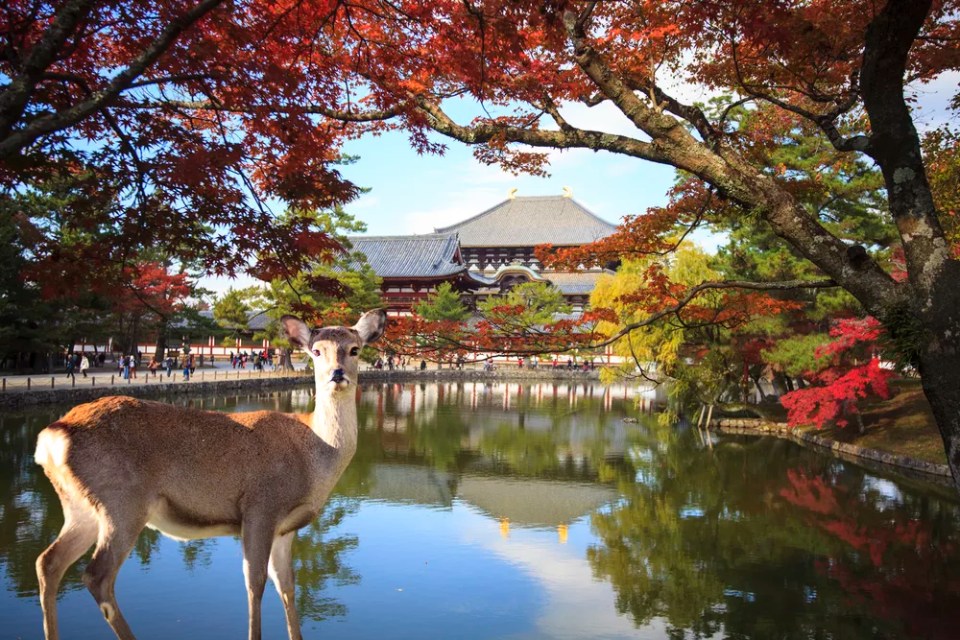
(52, 446)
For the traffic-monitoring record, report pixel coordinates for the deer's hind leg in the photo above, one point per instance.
(119, 528)
(78, 534)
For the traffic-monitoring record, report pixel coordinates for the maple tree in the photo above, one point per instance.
(849, 371)
(149, 297)
(188, 116)
(328, 289)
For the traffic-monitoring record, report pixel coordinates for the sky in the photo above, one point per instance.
(413, 194)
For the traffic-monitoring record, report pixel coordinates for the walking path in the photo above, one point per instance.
(109, 376)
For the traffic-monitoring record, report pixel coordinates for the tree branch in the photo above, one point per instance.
(213, 105)
(693, 292)
(16, 95)
(563, 139)
(21, 138)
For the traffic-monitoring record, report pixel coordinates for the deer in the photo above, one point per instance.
(119, 464)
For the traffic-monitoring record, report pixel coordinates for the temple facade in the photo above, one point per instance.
(498, 244)
(489, 253)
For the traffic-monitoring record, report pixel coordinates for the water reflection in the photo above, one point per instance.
(536, 511)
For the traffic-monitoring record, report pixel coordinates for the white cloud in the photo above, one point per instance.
(576, 603)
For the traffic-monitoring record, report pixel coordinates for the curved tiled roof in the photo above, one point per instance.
(529, 221)
(423, 256)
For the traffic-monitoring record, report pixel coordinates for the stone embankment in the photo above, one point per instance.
(76, 395)
(19, 396)
(751, 426)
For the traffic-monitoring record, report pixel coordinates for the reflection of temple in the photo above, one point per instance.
(529, 403)
(526, 503)
(556, 412)
(488, 253)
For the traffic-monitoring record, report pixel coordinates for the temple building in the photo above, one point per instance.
(499, 243)
(489, 253)
(413, 266)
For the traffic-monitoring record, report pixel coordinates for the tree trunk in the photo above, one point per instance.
(926, 328)
(941, 384)
(779, 382)
(286, 360)
(160, 350)
(939, 363)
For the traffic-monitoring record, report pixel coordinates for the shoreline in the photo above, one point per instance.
(846, 450)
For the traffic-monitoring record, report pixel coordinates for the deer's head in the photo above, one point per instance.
(335, 351)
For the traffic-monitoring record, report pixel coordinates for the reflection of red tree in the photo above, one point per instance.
(912, 579)
(812, 494)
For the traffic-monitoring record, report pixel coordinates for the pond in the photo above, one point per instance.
(534, 511)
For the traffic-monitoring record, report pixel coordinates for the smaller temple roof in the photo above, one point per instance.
(433, 255)
(574, 283)
(529, 221)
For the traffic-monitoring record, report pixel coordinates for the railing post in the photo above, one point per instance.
(52, 382)
(111, 379)
(93, 381)
(4, 385)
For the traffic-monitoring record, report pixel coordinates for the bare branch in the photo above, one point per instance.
(213, 105)
(563, 139)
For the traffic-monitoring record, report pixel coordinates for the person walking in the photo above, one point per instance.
(71, 366)
(84, 365)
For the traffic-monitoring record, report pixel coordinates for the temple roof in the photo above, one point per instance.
(529, 221)
(431, 255)
(575, 283)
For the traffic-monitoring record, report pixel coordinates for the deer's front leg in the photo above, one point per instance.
(281, 572)
(256, 538)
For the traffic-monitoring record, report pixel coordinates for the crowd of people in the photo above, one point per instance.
(128, 364)
(258, 360)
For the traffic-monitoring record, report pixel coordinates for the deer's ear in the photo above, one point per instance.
(296, 331)
(371, 325)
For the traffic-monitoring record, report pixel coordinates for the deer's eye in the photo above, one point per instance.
(316, 352)
(355, 351)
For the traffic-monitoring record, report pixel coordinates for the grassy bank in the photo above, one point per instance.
(902, 425)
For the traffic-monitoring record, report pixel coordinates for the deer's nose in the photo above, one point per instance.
(337, 376)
